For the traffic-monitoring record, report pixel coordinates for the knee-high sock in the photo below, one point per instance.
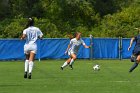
(133, 67)
(65, 64)
(72, 61)
(31, 63)
(26, 65)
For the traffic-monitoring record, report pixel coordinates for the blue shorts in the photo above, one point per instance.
(136, 50)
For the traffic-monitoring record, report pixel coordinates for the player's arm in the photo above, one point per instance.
(40, 34)
(23, 36)
(67, 49)
(83, 43)
(40, 37)
(131, 42)
(86, 46)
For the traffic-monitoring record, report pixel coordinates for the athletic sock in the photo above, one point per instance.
(64, 65)
(31, 63)
(72, 61)
(26, 65)
(133, 67)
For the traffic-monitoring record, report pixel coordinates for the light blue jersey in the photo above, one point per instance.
(32, 33)
(74, 45)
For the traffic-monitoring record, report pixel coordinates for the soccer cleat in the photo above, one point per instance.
(71, 67)
(130, 71)
(61, 68)
(133, 67)
(25, 75)
(29, 76)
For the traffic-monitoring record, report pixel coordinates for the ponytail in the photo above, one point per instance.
(30, 22)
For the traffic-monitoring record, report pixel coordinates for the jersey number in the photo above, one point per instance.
(32, 35)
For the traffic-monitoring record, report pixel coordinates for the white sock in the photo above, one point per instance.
(31, 63)
(72, 61)
(65, 64)
(26, 65)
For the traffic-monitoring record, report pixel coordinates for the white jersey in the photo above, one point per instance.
(74, 45)
(32, 33)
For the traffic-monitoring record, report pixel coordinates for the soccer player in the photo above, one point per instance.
(136, 52)
(72, 50)
(31, 34)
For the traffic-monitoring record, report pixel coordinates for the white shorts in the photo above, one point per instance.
(30, 48)
(71, 52)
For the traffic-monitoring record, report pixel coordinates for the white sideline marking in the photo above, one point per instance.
(120, 81)
(109, 81)
(82, 81)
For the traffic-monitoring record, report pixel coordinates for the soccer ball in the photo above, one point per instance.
(96, 67)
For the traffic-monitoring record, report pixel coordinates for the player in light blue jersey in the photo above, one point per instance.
(31, 34)
(72, 50)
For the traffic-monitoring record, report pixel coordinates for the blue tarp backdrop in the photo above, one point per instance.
(125, 45)
(55, 49)
(105, 48)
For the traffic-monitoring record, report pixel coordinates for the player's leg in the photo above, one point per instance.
(73, 58)
(65, 63)
(26, 65)
(135, 64)
(31, 63)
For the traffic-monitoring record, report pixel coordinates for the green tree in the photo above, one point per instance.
(57, 18)
(26, 8)
(121, 24)
(4, 9)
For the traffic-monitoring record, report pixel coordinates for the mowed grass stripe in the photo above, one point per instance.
(48, 78)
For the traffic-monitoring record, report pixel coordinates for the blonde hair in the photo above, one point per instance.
(70, 36)
(76, 33)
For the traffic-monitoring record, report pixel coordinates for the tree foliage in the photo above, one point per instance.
(57, 18)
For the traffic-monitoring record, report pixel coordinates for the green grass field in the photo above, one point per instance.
(48, 78)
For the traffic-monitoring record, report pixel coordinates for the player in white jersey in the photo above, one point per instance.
(31, 34)
(72, 50)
